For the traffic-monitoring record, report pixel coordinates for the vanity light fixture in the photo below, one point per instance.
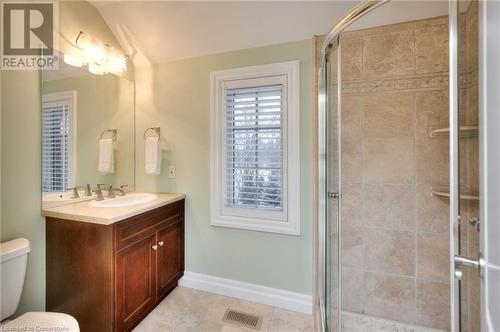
(97, 69)
(74, 60)
(100, 58)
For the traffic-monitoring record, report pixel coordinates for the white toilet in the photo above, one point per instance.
(14, 257)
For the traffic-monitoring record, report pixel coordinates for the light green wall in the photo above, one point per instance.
(20, 172)
(103, 102)
(175, 96)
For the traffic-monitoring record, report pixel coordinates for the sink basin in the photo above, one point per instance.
(124, 201)
(62, 198)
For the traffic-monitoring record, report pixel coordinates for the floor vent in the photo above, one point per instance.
(243, 319)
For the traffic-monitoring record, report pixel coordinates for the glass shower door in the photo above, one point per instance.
(332, 201)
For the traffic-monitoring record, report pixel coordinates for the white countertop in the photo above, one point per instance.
(105, 215)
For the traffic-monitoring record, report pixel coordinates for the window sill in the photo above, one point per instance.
(260, 225)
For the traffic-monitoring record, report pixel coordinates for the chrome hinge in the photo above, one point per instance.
(474, 222)
(333, 195)
(461, 261)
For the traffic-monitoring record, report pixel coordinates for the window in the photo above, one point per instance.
(255, 148)
(58, 141)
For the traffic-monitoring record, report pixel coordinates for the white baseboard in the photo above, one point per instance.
(250, 292)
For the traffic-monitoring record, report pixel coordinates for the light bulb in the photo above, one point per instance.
(97, 69)
(94, 52)
(117, 63)
(73, 59)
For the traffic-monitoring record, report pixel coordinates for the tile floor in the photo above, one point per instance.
(190, 310)
(353, 322)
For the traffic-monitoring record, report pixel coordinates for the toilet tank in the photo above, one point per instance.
(13, 257)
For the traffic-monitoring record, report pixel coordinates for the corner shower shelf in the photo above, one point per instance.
(444, 191)
(465, 131)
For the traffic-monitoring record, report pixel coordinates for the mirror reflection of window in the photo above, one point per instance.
(58, 141)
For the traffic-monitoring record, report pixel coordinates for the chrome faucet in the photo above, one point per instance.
(88, 191)
(98, 192)
(121, 191)
(111, 194)
(75, 194)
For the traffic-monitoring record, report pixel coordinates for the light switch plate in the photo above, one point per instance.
(171, 171)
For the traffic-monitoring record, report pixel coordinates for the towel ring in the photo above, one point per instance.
(113, 131)
(155, 129)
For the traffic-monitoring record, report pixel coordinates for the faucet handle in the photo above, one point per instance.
(98, 192)
(124, 186)
(75, 194)
(111, 194)
(88, 190)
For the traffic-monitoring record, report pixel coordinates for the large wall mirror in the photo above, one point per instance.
(87, 133)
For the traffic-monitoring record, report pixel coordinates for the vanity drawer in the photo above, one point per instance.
(135, 228)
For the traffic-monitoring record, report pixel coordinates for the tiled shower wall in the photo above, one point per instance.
(395, 242)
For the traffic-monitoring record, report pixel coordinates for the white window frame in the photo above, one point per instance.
(288, 220)
(57, 97)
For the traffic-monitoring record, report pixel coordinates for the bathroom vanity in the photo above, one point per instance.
(109, 267)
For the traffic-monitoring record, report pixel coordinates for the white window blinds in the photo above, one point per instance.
(56, 145)
(254, 147)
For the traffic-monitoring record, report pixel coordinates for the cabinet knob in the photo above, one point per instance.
(155, 247)
(161, 243)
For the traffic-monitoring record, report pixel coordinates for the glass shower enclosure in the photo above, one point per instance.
(329, 170)
(459, 198)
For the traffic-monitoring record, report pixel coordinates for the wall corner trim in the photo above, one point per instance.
(250, 292)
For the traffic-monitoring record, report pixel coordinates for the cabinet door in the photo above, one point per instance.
(170, 256)
(135, 282)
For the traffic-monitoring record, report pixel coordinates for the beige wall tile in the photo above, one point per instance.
(462, 44)
(352, 161)
(352, 58)
(431, 49)
(388, 160)
(352, 205)
(433, 257)
(353, 291)
(352, 117)
(389, 115)
(389, 54)
(391, 160)
(352, 246)
(462, 104)
(473, 234)
(389, 251)
(472, 117)
(391, 297)
(433, 307)
(472, 36)
(432, 161)
(389, 206)
(432, 111)
(474, 301)
(472, 163)
(432, 212)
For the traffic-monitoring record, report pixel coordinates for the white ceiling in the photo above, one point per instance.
(161, 31)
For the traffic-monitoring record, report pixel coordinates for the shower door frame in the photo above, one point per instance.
(454, 164)
(331, 38)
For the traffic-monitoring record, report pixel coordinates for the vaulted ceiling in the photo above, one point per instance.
(161, 31)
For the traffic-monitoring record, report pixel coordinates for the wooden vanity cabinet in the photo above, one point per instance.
(109, 277)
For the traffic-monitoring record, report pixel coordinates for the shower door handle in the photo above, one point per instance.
(333, 195)
(461, 261)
